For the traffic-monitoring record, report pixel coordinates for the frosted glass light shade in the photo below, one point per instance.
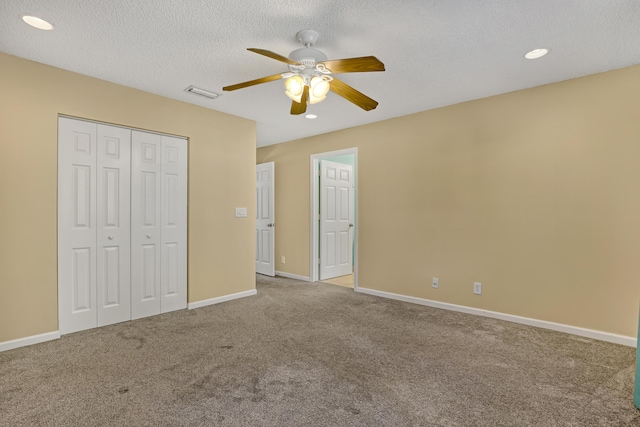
(315, 100)
(295, 87)
(319, 88)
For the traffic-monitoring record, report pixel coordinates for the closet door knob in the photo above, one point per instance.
(110, 237)
(148, 236)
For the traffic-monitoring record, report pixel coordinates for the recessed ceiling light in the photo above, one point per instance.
(536, 53)
(36, 22)
(311, 116)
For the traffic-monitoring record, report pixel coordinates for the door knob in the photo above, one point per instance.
(271, 225)
(110, 237)
(148, 236)
(350, 225)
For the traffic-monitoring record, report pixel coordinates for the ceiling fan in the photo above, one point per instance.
(310, 76)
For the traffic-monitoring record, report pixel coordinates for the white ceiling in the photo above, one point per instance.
(436, 52)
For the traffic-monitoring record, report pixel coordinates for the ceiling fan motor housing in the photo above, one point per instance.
(308, 56)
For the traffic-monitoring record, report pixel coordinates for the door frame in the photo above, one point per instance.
(315, 208)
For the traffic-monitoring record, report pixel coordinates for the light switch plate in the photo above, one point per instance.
(477, 288)
(241, 212)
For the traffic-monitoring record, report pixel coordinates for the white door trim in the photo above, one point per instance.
(314, 209)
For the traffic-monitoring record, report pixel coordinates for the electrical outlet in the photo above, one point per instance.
(283, 260)
(477, 288)
(434, 282)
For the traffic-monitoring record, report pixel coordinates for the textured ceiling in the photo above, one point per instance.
(436, 52)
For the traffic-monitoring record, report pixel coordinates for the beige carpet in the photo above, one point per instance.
(301, 354)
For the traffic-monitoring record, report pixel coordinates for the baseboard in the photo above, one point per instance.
(574, 330)
(293, 276)
(223, 298)
(33, 339)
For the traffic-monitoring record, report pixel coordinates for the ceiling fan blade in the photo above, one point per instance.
(273, 55)
(354, 65)
(300, 107)
(253, 82)
(350, 94)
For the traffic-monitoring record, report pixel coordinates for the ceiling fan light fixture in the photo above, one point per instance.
(315, 100)
(318, 89)
(295, 87)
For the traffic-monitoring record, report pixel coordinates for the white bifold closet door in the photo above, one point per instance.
(158, 224)
(93, 225)
(122, 224)
(113, 219)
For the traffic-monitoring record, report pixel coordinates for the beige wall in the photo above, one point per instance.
(221, 177)
(535, 193)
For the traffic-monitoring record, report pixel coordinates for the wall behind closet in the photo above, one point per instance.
(221, 177)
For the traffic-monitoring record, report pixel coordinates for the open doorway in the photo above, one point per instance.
(334, 230)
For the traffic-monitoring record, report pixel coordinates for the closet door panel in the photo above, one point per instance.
(174, 224)
(146, 168)
(76, 225)
(114, 230)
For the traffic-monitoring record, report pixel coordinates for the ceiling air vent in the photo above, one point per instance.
(202, 92)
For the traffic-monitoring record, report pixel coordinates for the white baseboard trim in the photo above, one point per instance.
(223, 298)
(574, 330)
(293, 276)
(33, 339)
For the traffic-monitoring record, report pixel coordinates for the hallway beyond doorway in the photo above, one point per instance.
(345, 281)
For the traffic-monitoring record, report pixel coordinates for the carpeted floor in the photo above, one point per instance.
(300, 354)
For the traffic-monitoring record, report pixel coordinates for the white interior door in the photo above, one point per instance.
(113, 289)
(173, 217)
(76, 225)
(146, 154)
(265, 219)
(336, 229)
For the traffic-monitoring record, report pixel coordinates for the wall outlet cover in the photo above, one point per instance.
(434, 282)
